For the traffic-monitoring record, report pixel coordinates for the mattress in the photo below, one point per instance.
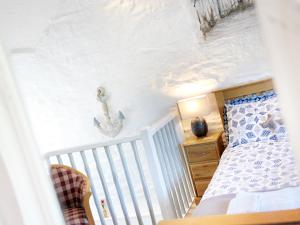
(252, 167)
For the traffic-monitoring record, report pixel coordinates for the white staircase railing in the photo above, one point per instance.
(142, 178)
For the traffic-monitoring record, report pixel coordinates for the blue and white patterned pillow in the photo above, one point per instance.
(244, 123)
(262, 96)
(256, 97)
(255, 121)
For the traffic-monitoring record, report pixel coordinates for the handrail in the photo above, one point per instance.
(161, 123)
(152, 129)
(92, 146)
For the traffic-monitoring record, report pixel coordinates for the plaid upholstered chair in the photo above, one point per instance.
(73, 192)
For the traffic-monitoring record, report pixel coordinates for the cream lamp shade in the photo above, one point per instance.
(194, 107)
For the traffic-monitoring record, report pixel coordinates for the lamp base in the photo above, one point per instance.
(199, 127)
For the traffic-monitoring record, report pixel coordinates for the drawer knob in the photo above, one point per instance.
(203, 153)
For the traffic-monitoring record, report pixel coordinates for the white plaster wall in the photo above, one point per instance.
(148, 54)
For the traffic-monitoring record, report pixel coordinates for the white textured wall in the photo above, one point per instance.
(146, 53)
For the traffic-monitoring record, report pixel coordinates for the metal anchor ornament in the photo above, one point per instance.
(108, 125)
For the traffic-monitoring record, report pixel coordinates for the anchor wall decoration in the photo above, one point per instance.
(108, 125)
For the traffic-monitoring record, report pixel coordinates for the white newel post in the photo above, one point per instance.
(181, 137)
(156, 173)
(179, 129)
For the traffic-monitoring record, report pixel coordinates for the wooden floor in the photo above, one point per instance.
(190, 212)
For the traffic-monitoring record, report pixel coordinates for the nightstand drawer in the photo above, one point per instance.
(201, 186)
(203, 170)
(201, 153)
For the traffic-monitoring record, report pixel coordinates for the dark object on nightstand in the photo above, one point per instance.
(199, 127)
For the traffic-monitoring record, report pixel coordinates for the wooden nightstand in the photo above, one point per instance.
(203, 155)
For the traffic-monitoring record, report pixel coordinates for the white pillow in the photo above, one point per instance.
(269, 112)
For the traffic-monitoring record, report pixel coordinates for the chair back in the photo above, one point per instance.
(70, 186)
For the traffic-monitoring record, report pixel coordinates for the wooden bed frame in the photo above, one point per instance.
(269, 218)
(238, 91)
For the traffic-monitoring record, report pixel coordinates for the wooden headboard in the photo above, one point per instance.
(238, 91)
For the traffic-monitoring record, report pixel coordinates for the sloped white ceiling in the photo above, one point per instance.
(148, 54)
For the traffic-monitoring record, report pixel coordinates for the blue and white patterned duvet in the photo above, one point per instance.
(254, 167)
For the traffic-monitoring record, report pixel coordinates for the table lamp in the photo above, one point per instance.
(195, 108)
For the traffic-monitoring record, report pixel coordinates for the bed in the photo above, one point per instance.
(258, 164)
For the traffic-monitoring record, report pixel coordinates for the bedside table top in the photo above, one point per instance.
(210, 137)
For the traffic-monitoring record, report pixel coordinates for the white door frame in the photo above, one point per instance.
(27, 195)
(280, 23)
